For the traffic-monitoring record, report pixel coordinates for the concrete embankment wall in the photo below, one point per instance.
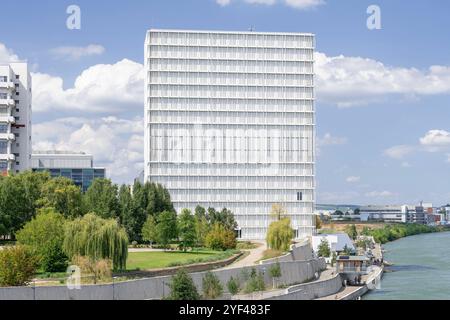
(313, 290)
(355, 294)
(157, 287)
(298, 252)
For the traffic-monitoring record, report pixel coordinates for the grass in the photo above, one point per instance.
(160, 259)
(247, 245)
(270, 253)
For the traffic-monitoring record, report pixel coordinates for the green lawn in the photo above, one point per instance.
(160, 259)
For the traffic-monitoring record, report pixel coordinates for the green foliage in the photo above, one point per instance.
(211, 286)
(149, 231)
(397, 231)
(97, 238)
(182, 287)
(324, 248)
(275, 273)
(44, 234)
(18, 196)
(255, 282)
(63, 195)
(224, 217)
(233, 285)
(17, 266)
(280, 234)
(186, 229)
(201, 229)
(318, 222)
(278, 212)
(351, 231)
(347, 251)
(220, 238)
(166, 228)
(101, 198)
(200, 212)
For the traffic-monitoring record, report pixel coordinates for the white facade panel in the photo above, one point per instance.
(230, 123)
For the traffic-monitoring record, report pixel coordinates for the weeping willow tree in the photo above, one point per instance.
(280, 234)
(97, 238)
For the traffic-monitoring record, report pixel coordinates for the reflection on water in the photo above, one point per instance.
(421, 269)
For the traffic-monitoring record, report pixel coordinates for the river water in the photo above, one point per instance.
(421, 269)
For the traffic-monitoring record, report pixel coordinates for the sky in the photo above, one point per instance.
(382, 95)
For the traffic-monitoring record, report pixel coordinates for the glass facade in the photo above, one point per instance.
(81, 177)
(230, 123)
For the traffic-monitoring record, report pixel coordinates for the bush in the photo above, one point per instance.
(220, 238)
(182, 287)
(93, 270)
(54, 259)
(17, 266)
(211, 286)
(255, 282)
(233, 286)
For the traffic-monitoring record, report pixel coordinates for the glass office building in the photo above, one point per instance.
(76, 166)
(229, 122)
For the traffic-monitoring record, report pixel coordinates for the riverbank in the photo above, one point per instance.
(419, 271)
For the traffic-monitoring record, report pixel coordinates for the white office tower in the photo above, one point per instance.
(229, 122)
(15, 117)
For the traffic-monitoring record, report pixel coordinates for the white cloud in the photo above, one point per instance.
(351, 81)
(115, 143)
(297, 4)
(434, 140)
(7, 55)
(76, 53)
(353, 179)
(103, 88)
(399, 152)
(329, 140)
(379, 194)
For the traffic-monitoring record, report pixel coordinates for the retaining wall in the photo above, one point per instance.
(298, 252)
(157, 287)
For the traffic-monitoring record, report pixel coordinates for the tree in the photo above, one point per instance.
(44, 234)
(182, 287)
(18, 196)
(200, 212)
(101, 199)
(278, 212)
(166, 228)
(201, 229)
(186, 229)
(61, 193)
(233, 286)
(255, 282)
(224, 217)
(275, 273)
(149, 230)
(17, 266)
(211, 286)
(127, 216)
(220, 238)
(97, 238)
(324, 248)
(280, 234)
(318, 222)
(338, 213)
(351, 231)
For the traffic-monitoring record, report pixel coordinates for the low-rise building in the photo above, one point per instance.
(79, 167)
(338, 242)
(394, 213)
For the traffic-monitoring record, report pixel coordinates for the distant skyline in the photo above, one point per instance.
(383, 133)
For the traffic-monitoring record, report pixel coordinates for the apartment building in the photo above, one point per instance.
(15, 117)
(229, 122)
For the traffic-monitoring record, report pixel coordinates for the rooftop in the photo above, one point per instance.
(233, 32)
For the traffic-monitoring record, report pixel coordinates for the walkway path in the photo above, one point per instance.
(339, 295)
(252, 258)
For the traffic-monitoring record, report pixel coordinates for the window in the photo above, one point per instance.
(16, 101)
(3, 128)
(17, 163)
(3, 95)
(3, 79)
(299, 196)
(17, 77)
(17, 93)
(3, 147)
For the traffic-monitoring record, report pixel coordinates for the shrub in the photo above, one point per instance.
(220, 238)
(18, 265)
(54, 259)
(182, 287)
(211, 286)
(275, 272)
(255, 282)
(93, 270)
(233, 285)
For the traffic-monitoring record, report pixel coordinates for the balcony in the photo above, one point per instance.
(7, 136)
(7, 102)
(7, 119)
(7, 157)
(8, 85)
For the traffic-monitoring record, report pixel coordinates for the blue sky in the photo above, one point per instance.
(382, 108)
